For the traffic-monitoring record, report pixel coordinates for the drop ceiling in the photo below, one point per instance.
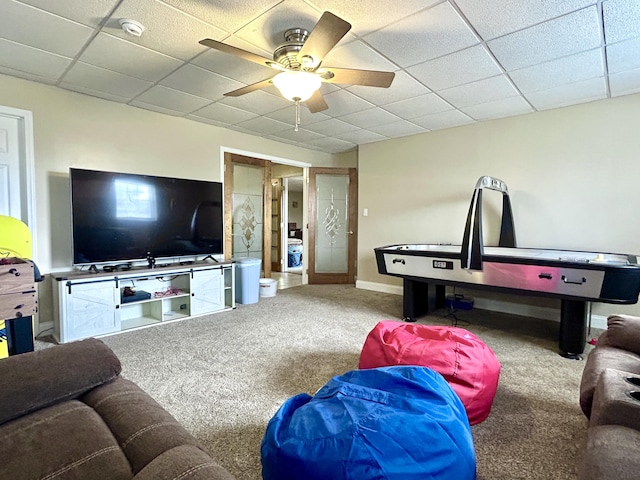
(457, 62)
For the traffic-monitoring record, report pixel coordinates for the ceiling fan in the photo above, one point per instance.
(299, 61)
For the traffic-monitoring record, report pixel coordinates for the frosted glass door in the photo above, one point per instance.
(247, 211)
(332, 226)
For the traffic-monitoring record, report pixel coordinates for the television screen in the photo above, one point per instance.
(121, 217)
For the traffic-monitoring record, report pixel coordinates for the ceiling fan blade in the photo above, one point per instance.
(316, 103)
(223, 47)
(250, 88)
(369, 78)
(325, 35)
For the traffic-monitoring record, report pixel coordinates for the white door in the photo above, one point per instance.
(10, 177)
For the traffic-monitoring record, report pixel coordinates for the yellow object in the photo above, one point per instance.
(15, 238)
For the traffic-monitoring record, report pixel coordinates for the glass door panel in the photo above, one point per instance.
(247, 211)
(332, 196)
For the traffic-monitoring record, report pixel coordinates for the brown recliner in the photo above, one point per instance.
(65, 412)
(610, 399)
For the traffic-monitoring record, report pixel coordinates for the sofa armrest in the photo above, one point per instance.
(34, 380)
(623, 331)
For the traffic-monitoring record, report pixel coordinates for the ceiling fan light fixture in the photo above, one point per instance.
(296, 85)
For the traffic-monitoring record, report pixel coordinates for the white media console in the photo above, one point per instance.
(91, 304)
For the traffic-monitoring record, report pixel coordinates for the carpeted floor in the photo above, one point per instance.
(223, 376)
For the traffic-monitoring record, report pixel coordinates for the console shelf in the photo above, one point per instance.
(90, 304)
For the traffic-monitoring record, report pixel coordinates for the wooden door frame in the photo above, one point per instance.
(229, 160)
(350, 276)
(276, 264)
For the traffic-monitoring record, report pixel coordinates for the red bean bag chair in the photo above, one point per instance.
(466, 363)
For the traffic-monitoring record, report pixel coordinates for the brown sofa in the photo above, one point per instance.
(610, 383)
(66, 413)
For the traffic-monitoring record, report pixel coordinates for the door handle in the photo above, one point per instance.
(399, 260)
(350, 232)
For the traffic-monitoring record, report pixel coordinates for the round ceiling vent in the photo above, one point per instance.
(131, 27)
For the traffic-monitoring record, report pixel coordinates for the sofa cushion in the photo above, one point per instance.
(186, 462)
(612, 451)
(34, 380)
(612, 404)
(68, 440)
(602, 357)
(141, 426)
(623, 331)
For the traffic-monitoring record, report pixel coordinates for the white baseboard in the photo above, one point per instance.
(545, 313)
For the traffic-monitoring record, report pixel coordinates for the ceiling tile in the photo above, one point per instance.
(233, 67)
(333, 145)
(332, 127)
(32, 60)
(342, 102)
(579, 92)
(156, 108)
(403, 87)
(101, 80)
(625, 83)
(465, 66)
(360, 137)
(398, 129)
(301, 136)
(370, 118)
(94, 93)
(128, 58)
(69, 36)
(200, 82)
(482, 91)
(423, 36)
(208, 121)
(27, 76)
(172, 99)
(418, 106)
(566, 35)
(167, 30)
(621, 19)
(86, 12)
(288, 114)
(506, 107)
(623, 56)
(358, 55)
(369, 15)
(438, 121)
(558, 72)
(267, 31)
(224, 113)
(498, 17)
(258, 101)
(229, 15)
(264, 125)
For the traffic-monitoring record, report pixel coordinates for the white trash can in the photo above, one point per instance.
(268, 287)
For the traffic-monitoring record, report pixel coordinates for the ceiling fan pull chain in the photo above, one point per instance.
(297, 115)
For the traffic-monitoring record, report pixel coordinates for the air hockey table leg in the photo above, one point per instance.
(573, 328)
(420, 298)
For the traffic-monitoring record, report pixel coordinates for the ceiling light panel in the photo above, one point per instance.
(465, 66)
(563, 36)
(426, 35)
(495, 18)
(621, 19)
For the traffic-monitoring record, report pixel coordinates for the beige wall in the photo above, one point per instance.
(572, 175)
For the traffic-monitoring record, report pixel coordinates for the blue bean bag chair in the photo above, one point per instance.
(400, 422)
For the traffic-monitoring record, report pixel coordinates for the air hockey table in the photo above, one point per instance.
(575, 277)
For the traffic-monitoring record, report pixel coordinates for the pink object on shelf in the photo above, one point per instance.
(466, 362)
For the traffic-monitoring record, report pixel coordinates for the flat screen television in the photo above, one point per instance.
(121, 217)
